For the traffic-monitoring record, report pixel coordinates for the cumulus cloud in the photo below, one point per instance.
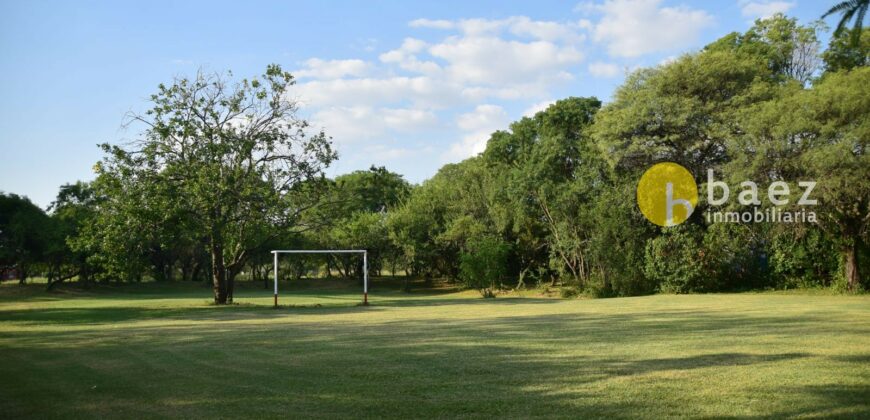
(350, 124)
(419, 90)
(495, 61)
(316, 68)
(429, 23)
(763, 9)
(538, 107)
(477, 126)
(631, 28)
(406, 58)
(521, 26)
(475, 62)
(384, 152)
(600, 69)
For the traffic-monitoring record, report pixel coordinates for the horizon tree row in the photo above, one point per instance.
(223, 172)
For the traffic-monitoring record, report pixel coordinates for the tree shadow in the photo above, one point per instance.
(266, 364)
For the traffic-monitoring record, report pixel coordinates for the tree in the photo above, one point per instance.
(682, 112)
(849, 9)
(844, 53)
(374, 190)
(25, 231)
(227, 156)
(74, 208)
(819, 134)
(550, 173)
(484, 266)
(788, 49)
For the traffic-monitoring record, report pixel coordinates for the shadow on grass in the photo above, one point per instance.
(114, 314)
(510, 366)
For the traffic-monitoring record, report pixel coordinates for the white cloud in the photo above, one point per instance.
(380, 152)
(480, 63)
(521, 26)
(601, 69)
(428, 23)
(406, 57)
(495, 61)
(631, 28)
(538, 107)
(420, 90)
(350, 124)
(316, 68)
(667, 60)
(409, 88)
(763, 9)
(478, 126)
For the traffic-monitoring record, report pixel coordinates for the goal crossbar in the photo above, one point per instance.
(364, 253)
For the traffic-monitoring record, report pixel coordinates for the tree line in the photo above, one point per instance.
(225, 171)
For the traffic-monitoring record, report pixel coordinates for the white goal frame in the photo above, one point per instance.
(364, 252)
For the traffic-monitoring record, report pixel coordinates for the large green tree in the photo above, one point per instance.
(844, 53)
(25, 233)
(819, 134)
(227, 156)
(73, 210)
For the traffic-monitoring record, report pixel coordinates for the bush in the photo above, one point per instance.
(484, 265)
(735, 256)
(675, 260)
(569, 292)
(803, 259)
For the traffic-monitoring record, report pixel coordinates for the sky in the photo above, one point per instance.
(406, 85)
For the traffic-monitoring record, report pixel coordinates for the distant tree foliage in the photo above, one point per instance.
(224, 172)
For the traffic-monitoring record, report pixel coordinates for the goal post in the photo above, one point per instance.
(364, 253)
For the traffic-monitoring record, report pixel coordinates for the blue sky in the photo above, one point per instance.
(407, 85)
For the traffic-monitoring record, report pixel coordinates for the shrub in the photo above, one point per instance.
(484, 265)
(675, 260)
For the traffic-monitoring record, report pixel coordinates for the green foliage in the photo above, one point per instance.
(675, 260)
(844, 53)
(225, 171)
(819, 134)
(375, 190)
(483, 266)
(25, 234)
(618, 245)
(802, 258)
(223, 159)
(682, 112)
(848, 10)
(789, 50)
(550, 174)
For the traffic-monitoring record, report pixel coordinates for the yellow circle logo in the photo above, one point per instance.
(667, 194)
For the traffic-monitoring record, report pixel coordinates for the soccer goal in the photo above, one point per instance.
(364, 253)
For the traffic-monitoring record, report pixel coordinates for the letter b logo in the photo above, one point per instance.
(667, 194)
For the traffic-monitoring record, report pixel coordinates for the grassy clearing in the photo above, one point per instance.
(158, 351)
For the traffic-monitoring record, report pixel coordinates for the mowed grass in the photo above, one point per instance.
(163, 351)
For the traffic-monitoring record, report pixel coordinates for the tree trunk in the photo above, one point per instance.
(194, 272)
(218, 272)
(231, 284)
(850, 258)
(185, 271)
(59, 280)
(22, 275)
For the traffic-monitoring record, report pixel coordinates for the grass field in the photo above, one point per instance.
(160, 351)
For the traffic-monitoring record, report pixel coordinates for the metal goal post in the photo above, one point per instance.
(364, 252)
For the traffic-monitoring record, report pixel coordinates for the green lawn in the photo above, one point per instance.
(161, 351)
